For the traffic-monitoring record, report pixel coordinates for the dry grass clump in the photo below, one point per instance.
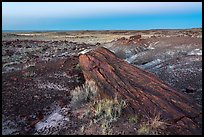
(156, 122)
(83, 94)
(133, 119)
(103, 111)
(77, 67)
(144, 130)
(108, 109)
(105, 108)
(152, 126)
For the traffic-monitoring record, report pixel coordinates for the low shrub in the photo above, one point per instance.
(83, 94)
(143, 130)
(108, 109)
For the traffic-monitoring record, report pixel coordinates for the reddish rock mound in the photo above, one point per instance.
(144, 92)
(133, 40)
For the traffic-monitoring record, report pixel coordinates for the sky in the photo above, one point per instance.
(101, 15)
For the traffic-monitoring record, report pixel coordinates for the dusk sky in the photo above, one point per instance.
(101, 15)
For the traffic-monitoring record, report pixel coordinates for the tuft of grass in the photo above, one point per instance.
(83, 94)
(152, 126)
(156, 122)
(108, 109)
(77, 67)
(143, 130)
(103, 111)
(133, 119)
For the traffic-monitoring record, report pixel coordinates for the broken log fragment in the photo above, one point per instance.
(144, 91)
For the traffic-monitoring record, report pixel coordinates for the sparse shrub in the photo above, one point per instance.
(77, 67)
(108, 109)
(105, 110)
(144, 130)
(152, 126)
(133, 119)
(81, 95)
(156, 122)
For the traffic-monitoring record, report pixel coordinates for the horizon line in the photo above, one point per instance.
(107, 29)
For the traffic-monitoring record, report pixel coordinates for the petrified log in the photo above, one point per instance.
(144, 91)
